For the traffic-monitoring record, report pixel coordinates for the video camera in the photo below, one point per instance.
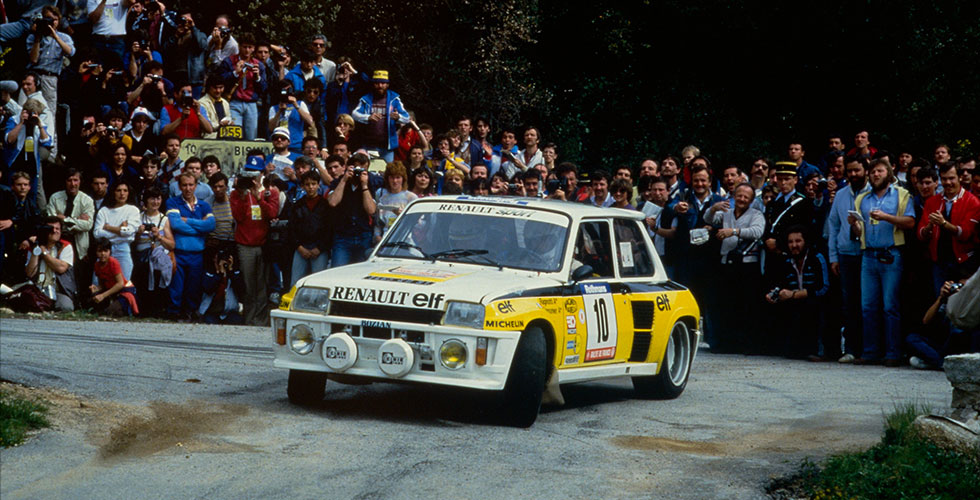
(42, 23)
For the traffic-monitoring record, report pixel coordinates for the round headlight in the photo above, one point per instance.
(301, 339)
(452, 354)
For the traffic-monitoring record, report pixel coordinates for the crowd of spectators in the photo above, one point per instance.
(847, 259)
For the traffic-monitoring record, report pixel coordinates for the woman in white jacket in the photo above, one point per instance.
(118, 221)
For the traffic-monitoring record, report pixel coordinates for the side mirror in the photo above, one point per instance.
(581, 273)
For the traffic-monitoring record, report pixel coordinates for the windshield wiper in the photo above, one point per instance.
(406, 245)
(466, 252)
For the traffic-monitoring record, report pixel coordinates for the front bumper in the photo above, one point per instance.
(424, 340)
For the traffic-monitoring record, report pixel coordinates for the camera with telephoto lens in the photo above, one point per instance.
(33, 120)
(774, 294)
(186, 99)
(42, 234)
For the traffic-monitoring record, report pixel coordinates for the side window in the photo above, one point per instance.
(634, 256)
(592, 248)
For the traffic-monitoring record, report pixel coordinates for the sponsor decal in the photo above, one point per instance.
(588, 288)
(548, 301)
(375, 324)
(571, 360)
(505, 307)
(504, 324)
(626, 253)
(424, 273)
(597, 354)
(388, 358)
(334, 353)
(392, 279)
(553, 310)
(572, 331)
(388, 297)
(570, 345)
(570, 322)
(570, 306)
(484, 209)
(581, 316)
(488, 199)
(663, 302)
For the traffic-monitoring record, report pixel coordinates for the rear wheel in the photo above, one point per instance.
(675, 367)
(525, 383)
(306, 388)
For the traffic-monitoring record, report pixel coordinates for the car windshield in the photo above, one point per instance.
(517, 237)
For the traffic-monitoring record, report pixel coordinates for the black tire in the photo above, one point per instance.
(306, 388)
(674, 370)
(525, 382)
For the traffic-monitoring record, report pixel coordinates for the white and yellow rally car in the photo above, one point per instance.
(499, 294)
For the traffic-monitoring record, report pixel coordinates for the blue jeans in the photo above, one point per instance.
(350, 249)
(879, 305)
(305, 267)
(111, 50)
(122, 253)
(245, 115)
(850, 284)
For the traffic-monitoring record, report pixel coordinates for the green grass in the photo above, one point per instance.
(902, 466)
(17, 416)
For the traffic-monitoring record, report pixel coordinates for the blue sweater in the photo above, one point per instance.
(189, 235)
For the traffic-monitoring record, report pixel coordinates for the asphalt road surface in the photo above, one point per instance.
(149, 411)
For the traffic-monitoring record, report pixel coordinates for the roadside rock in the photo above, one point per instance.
(963, 372)
(948, 434)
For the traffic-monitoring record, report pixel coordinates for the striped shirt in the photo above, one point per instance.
(224, 222)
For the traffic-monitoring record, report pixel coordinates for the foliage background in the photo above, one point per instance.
(613, 81)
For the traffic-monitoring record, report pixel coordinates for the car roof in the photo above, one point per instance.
(572, 209)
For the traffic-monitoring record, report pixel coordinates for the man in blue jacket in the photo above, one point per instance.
(190, 221)
(382, 113)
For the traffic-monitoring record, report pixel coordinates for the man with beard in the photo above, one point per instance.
(845, 258)
(885, 214)
(381, 112)
(801, 286)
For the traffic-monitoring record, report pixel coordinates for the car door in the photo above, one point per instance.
(636, 270)
(593, 331)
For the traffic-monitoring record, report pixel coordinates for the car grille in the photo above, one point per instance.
(642, 314)
(641, 346)
(385, 313)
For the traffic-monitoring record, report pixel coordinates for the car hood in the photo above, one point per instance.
(423, 284)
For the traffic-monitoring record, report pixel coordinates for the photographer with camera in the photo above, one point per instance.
(188, 119)
(221, 44)
(16, 231)
(342, 92)
(937, 337)
(141, 53)
(22, 150)
(350, 196)
(152, 268)
(46, 49)
(246, 84)
(222, 289)
(291, 115)
(109, 133)
(185, 52)
(49, 264)
(801, 283)
(253, 208)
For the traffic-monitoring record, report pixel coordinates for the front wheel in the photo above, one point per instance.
(525, 383)
(674, 370)
(306, 388)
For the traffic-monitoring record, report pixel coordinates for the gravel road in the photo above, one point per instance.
(145, 410)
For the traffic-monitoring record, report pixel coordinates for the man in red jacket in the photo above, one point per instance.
(948, 226)
(252, 209)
